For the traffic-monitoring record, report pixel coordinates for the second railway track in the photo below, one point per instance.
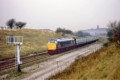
(11, 63)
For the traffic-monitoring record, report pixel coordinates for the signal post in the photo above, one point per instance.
(16, 41)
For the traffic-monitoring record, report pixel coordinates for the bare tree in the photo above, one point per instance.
(115, 31)
(11, 23)
(20, 25)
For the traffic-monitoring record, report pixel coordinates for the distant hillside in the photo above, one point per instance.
(33, 41)
(98, 31)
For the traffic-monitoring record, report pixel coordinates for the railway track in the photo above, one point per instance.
(11, 63)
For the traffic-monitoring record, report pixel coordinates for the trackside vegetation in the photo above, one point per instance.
(103, 64)
(33, 41)
(114, 32)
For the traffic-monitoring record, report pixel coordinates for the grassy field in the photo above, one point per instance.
(33, 41)
(103, 64)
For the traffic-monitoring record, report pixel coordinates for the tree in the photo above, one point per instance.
(64, 31)
(114, 27)
(58, 30)
(20, 25)
(109, 34)
(11, 23)
(82, 34)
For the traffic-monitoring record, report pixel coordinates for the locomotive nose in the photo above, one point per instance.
(51, 46)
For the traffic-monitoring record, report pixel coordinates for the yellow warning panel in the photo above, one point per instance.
(51, 46)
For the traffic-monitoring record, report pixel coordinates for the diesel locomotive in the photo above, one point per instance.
(64, 44)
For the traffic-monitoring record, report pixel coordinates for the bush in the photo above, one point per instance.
(114, 32)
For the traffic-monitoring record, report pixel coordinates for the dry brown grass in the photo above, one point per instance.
(104, 64)
(34, 41)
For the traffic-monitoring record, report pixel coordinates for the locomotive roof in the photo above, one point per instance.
(64, 39)
(61, 39)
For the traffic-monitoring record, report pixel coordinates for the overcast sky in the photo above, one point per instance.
(69, 14)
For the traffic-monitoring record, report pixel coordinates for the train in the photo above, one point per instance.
(59, 45)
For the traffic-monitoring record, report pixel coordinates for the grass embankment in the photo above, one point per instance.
(33, 41)
(103, 64)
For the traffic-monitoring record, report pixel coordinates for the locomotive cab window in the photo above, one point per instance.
(52, 41)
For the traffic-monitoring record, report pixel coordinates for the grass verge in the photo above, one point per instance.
(103, 64)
